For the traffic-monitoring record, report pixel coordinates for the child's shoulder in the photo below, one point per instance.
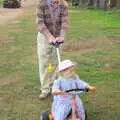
(59, 79)
(77, 76)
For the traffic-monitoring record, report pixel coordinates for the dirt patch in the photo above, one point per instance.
(79, 46)
(8, 15)
(9, 79)
(108, 67)
(6, 39)
(84, 45)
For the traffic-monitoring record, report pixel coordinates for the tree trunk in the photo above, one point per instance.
(82, 1)
(113, 3)
(97, 3)
(104, 4)
(118, 3)
(90, 2)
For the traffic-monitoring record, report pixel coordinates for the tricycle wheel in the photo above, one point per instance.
(85, 115)
(44, 116)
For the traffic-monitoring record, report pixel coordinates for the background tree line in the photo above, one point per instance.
(104, 4)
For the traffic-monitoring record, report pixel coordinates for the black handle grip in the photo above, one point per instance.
(57, 43)
(77, 90)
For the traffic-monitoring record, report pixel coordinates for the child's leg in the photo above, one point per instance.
(80, 110)
(59, 116)
(61, 112)
(81, 114)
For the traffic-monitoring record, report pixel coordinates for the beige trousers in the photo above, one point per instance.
(47, 60)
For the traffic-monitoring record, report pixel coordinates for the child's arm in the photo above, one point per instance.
(83, 84)
(57, 91)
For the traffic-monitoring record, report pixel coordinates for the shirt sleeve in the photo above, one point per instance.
(56, 84)
(64, 26)
(81, 84)
(40, 19)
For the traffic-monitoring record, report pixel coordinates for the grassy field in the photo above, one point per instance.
(93, 41)
(1, 2)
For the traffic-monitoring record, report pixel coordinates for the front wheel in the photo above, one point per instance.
(85, 115)
(44, 116)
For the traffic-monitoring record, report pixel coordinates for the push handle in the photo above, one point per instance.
(77, 90)
(57, 43)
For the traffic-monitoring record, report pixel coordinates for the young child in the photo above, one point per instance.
(67, 80)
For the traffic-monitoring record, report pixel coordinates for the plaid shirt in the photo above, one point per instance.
(48, 23)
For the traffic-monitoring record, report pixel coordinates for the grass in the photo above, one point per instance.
(1, 2)
(92, 41)
(93, 23)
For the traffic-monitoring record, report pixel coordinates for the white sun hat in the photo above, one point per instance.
(65, 64)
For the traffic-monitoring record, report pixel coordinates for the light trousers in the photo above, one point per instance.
(46, 56)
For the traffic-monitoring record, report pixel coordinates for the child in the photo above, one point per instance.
(67, 80)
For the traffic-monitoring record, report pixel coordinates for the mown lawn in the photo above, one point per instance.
(93, 41)
(1, 2)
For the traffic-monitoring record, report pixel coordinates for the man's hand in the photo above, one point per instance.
(47, 34)
(59, 38)
(51, 39)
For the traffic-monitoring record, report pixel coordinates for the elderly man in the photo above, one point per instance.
(52, 23)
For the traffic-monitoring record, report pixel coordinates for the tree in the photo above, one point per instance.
(90, 2)
(104, 4)
(118, 3)
(113, 3)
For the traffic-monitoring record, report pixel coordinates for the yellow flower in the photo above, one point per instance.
(50, 67)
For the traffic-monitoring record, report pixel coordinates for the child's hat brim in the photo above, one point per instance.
(65, 64)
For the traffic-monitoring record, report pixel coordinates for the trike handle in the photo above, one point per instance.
(57, 43)
(77, 90)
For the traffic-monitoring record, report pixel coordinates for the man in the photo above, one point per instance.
(52, 23)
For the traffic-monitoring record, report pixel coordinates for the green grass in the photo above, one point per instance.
(92, 41)
(91, 23)
(1, 2)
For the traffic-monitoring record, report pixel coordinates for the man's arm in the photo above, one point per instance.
(64, 20)
(40, 22)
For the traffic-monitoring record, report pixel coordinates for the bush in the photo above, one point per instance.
(11, 4)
